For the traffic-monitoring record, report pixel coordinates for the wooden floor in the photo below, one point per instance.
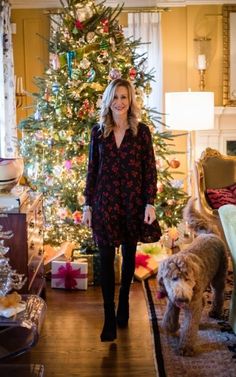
(70, 344)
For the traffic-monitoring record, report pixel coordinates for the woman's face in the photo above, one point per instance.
(120, 103)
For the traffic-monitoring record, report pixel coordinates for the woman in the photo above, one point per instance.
(120, 192)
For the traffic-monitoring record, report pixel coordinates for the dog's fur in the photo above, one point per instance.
(183, 278)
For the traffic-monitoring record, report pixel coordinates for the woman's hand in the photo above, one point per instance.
(150, 214)
(87, 218)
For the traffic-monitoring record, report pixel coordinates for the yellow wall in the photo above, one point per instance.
(179, 28)
(30, 50)
(174, 43)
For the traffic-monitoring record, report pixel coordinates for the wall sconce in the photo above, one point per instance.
(20, 92)
(202, 54)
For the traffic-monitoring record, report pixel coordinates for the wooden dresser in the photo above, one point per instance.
(26, 245)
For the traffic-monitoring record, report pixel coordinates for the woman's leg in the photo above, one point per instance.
(128, 266)
(107, 254)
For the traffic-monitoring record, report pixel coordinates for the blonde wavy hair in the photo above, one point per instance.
(106, 119)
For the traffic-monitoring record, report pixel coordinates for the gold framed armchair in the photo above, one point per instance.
(215, 174)
(227, 215)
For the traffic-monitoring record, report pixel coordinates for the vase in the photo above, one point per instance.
(11, 170)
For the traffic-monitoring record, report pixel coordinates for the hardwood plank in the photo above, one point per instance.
(70, 345)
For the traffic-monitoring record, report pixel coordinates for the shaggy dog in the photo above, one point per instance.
(183, 278)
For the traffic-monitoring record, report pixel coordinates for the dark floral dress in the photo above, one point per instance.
(120, 182)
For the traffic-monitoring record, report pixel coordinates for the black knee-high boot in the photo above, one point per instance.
(108, 290)
(128, 267)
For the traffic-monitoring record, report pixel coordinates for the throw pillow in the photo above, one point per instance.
(232, 188)
(220, 197)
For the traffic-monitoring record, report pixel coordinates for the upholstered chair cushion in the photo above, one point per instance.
(219, 197)
(232, 188)
(214, 171)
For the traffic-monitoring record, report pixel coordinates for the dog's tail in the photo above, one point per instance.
(196, 221)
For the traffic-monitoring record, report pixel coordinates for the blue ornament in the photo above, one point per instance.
(55, 87)
(70, 55)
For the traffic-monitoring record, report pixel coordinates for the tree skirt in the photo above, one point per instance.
(216, 345)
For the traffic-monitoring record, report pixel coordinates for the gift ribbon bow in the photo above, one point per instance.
(141, 260)
(67, 275)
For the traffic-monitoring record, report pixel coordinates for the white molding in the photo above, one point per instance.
(30, 4)
(224, 130)
(183, 3)
(166, 3)
(227, 110)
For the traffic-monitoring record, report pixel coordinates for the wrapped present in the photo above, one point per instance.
(157, 250)
(51, 252)
(69, 275)
(94, 266)
(67, 249)
(145, 266)
(76, 256)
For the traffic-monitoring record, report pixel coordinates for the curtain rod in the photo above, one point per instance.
(144, 9)
(124, 10)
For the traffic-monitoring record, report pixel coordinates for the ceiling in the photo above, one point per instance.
(21, 4)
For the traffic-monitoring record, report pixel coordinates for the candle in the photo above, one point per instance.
(21, 85)
(17, 85)
(201, 61)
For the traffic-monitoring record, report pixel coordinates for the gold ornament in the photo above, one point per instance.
(148, 89)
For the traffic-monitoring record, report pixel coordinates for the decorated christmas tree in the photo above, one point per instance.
(87, 49)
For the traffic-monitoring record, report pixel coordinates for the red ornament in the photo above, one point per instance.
(79, 25)
(105, 24)
(174, 163)
(132, 73)
(77, 217)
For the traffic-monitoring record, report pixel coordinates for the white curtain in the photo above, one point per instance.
(147, 27)
(8, 128)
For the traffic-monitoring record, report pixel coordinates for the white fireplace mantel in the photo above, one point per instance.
(224, 130)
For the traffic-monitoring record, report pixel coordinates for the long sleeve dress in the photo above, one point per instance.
(120, 182)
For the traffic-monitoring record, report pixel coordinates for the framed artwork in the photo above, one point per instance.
(229, 55)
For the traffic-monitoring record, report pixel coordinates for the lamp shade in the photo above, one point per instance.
(189, 111)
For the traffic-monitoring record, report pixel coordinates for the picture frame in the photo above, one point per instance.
(229, 55)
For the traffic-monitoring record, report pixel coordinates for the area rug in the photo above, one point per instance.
(216, 346)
